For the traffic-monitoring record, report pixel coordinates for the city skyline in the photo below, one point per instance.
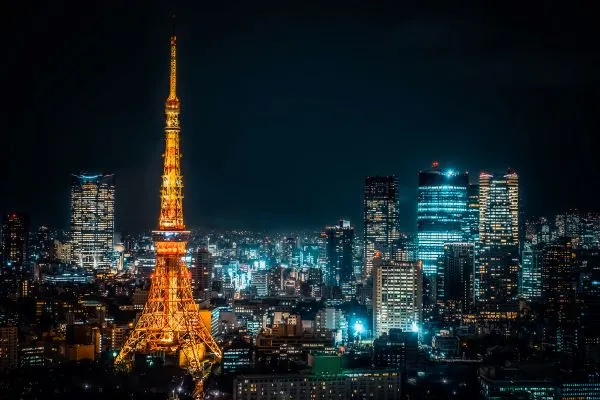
(434, 94)
(488, 299)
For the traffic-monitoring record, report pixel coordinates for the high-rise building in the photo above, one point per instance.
(497, 259)
(8, 348)
(455, 285)
(590, 231)
(472, 216)
(499, 209)
(530, 281)
(559, 275)
(44, 243)
(202, 274)
(397, 296)
(340, 241)
(92, 219)
(381, 219)
(15, 233)
(441, 214)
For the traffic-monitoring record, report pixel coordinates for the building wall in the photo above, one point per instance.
(15, 234)
(92, 220)
(8, 348)
(377, 385)
(381, 220)
(340, 241)
(441, 214)
(397, 296)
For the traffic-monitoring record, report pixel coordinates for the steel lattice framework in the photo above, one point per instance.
(171, 321)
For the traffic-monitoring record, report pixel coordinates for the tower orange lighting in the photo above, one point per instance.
(171, 322)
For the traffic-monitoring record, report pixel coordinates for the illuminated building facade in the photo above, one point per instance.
(9, 347)
(341, 384)
(497, 259)
(530, 281)
(340, 241)
(472, 216)
(15, 233)
(559, 273)
(381, 219)
(499, 209)
(397, 296)
(92, 220)
(441, 214)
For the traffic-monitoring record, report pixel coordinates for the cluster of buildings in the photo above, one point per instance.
(338, 310)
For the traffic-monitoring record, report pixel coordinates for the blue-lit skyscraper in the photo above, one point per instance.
(530, 279)
(441, 214)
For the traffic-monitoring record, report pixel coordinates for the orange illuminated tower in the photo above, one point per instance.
(171, 321)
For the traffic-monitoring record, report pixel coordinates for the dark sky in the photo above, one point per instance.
(285, 110)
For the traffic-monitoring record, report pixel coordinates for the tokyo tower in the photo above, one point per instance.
(171, 322)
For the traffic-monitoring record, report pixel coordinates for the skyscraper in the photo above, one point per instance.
(202, 274)
(340, 240)
(15, 233)
(499, 209)
(559, 275)
(9, 347)
(472, 216)
(381, 220)
(92, 219)
(456, 284)
(441, 218)
(441, 213)
(397, 296)
(498, 249)
(530, 280)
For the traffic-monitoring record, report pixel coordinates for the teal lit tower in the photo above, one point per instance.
(441, 218)
(530, 278)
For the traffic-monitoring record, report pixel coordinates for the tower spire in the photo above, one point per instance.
(173, 69)
(171, 321)
(171, 191)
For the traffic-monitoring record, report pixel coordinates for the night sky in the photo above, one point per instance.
(284, 111)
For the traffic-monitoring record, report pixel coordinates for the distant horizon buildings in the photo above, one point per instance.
(340, 245)
(381, 220)
(15, 239)
(92, 219)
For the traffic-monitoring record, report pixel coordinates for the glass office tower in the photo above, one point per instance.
(340, 241)
(92, 220)
(380, 216)
(499, 237)
(441, 214)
